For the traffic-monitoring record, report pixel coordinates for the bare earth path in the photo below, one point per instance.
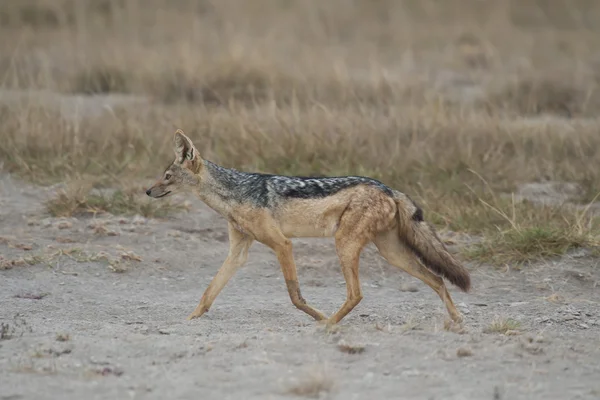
(105, 318)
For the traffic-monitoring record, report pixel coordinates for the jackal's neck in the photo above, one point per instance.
(217, 187)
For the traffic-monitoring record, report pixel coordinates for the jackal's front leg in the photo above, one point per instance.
(239, 243)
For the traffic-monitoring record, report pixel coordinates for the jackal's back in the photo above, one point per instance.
(266, 190)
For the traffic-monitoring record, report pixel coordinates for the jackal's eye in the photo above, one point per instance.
(167, 176)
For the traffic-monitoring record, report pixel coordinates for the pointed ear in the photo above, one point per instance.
(184, 148)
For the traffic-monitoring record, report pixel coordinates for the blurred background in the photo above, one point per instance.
(457, 102)
(216, 51)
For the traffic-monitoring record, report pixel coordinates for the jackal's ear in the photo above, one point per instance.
(184, 148)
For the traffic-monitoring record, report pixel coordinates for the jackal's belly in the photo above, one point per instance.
(309, 228)
(311, 217)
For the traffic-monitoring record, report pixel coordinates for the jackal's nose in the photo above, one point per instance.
(148, 192)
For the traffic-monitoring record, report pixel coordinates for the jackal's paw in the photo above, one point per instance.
(328, 324)
(198, 312)
(458, 318)
(452, 326)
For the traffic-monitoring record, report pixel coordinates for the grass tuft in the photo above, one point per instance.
(536, 243)
(350, 348)
(555, 96)
(314, 383)
(101, 80)
(503, 326)
(533, 233)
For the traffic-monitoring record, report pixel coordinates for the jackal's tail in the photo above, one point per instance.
(422, 239)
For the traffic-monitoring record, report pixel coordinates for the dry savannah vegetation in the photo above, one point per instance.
(485, 112)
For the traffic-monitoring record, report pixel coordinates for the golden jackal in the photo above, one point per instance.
(271, 209)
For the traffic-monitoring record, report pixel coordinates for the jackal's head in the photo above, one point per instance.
(183, 173)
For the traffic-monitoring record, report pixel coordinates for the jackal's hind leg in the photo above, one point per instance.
(349, 253)
(396, 253)
(366, 215)
(239, 243)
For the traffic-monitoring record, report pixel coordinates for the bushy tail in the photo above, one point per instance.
(422, 239)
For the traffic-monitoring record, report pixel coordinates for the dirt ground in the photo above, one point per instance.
(106, 318)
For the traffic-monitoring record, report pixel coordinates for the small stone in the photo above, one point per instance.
(139, 220)
(464, 352)
(539, 339)
(407, 287)
(64, 225)
(23, 246)
(531, 347)
(64, 240)
(518, 303)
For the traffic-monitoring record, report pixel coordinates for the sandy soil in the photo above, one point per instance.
(105, 318)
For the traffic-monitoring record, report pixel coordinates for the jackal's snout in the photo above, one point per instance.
(158, 191)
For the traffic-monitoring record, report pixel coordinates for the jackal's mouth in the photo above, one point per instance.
(163, 195)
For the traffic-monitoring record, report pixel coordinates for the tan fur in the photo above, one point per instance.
(354, 216)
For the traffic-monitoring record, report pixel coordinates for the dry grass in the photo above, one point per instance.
(535, 233)
(503, 326)
(313, 383)
(79, 200)
(350, 348)
(516, 247)
(447, 102)
(119, 262)
(62, 337)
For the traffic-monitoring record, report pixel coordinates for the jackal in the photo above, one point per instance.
(271, 209)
